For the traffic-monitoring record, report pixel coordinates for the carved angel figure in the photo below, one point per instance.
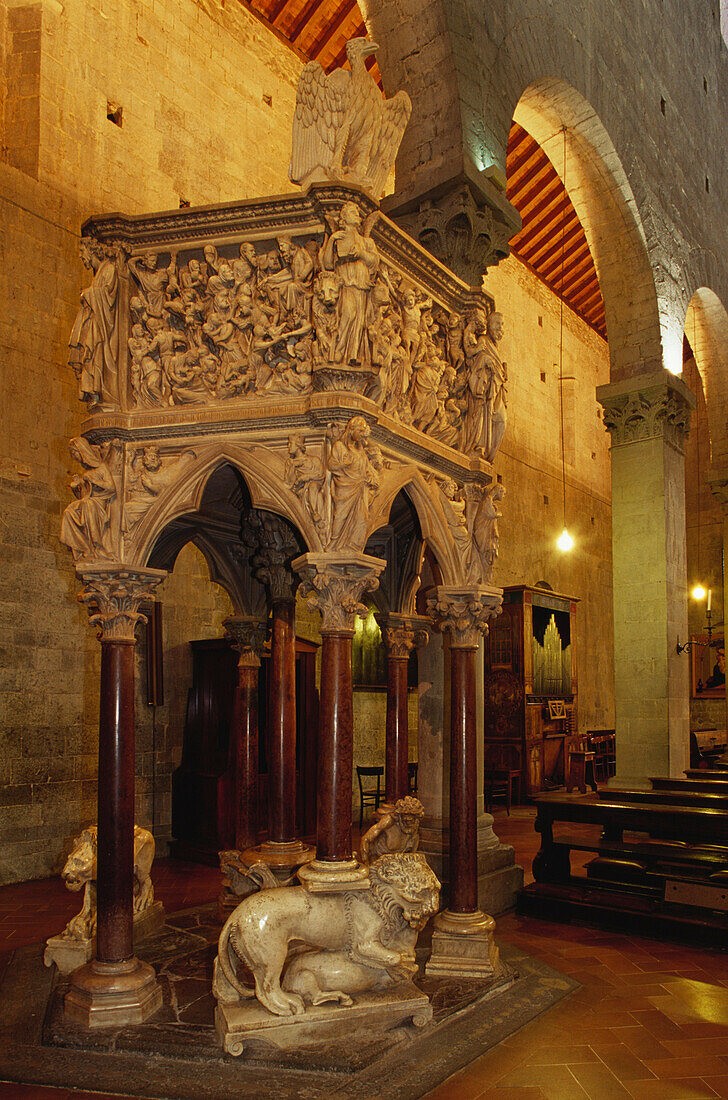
(343, 128)
(151, 474)
(86, 523)
(354, 465)
(484, 549)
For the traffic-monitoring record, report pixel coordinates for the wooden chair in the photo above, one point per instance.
(581, 767)
(412, 777)
(502, 771)
(370, 795)
(602, 744)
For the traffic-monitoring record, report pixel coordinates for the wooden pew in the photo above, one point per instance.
(716, 772)
(672, 876)
(717, 786)
(716, 799)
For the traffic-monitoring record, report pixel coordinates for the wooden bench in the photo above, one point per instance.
(716, 799)
(658, 866)
(717, 786)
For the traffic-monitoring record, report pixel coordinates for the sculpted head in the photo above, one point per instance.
(247, 252)
(151, 458)
(296, 445)
(285, 247)
(210, 254)
(409, 811)
(350, 217)
(495, 326)
(149, 259)
(411, 884)
(358, 430)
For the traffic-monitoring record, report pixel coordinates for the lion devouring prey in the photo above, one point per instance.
(310, 948)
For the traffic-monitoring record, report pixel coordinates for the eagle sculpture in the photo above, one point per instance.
(343, 127)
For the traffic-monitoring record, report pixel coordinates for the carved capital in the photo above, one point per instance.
(718, 482)
(113, 594)
(465, 227)
(274, 545)
(248, 636)
(402, 633)
(650, 407)
(464, 612)
(335, 584)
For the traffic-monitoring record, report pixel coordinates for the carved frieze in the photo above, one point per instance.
(656, 407)
(463, 613)
(302, 313)
(334, 585)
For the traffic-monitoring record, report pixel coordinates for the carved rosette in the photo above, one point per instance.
(464, 612)
(653, 408)
(335, 584)
(402, 633)
(113, 594)
(248, 636)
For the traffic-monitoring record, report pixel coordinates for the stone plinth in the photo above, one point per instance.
(463, 946)
(69, 953)
(237, 1025)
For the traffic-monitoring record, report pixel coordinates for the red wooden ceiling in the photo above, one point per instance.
(318, 30)
(552, 241)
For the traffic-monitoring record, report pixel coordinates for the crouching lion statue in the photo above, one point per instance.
(302, 947)
(80, 872)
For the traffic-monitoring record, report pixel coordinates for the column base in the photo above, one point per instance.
(283, 857)
(499, 876)
(112, 994)
(463, 946)
(334, 877)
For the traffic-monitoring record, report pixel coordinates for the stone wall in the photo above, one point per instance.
(530, 464)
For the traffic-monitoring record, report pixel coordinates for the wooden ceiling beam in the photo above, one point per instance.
(331, 29)
(307, 13)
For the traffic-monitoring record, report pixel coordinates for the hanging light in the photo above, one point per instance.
(564, 542)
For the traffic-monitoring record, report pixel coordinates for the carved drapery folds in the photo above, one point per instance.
(464, 613)
(651, 407)
(334, 584)
(113, 595)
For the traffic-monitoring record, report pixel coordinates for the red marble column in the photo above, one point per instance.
(248, 636)
(336, 750)
(335, 583)
(282, 724)
(396, 779)
(463, 782)
(115, 859)
(115, 988)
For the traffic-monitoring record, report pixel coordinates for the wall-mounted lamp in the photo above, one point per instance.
(699, 593)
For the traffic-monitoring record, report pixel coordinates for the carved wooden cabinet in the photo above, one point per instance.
(531, 684)
(201, 811)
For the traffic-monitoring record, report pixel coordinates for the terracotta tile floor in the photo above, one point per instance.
(650, 1021)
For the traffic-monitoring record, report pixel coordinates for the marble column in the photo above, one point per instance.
(400, 633)
(248, 637)
(462, 939)
(115, 988)
(648, 418)
(282, 850)
(334, 584)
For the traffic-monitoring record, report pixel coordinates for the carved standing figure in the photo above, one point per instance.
(305, 474)
(354, 477)
(355, 259)
(484, 534)
(86, 523)
(92, 344)
(343, 128)
(497, 394)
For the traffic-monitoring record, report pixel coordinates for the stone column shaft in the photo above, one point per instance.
(648, 418)
(115, 987)
(334, 584)
(282, 724)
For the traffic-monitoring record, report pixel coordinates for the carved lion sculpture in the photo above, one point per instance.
(80, 871)
(346, 943)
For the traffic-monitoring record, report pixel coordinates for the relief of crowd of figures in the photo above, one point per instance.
(288, 319)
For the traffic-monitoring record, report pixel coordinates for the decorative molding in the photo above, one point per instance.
(464, 612)
(113, 594)
(656, 407)
(335, 584)
(248, 636)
